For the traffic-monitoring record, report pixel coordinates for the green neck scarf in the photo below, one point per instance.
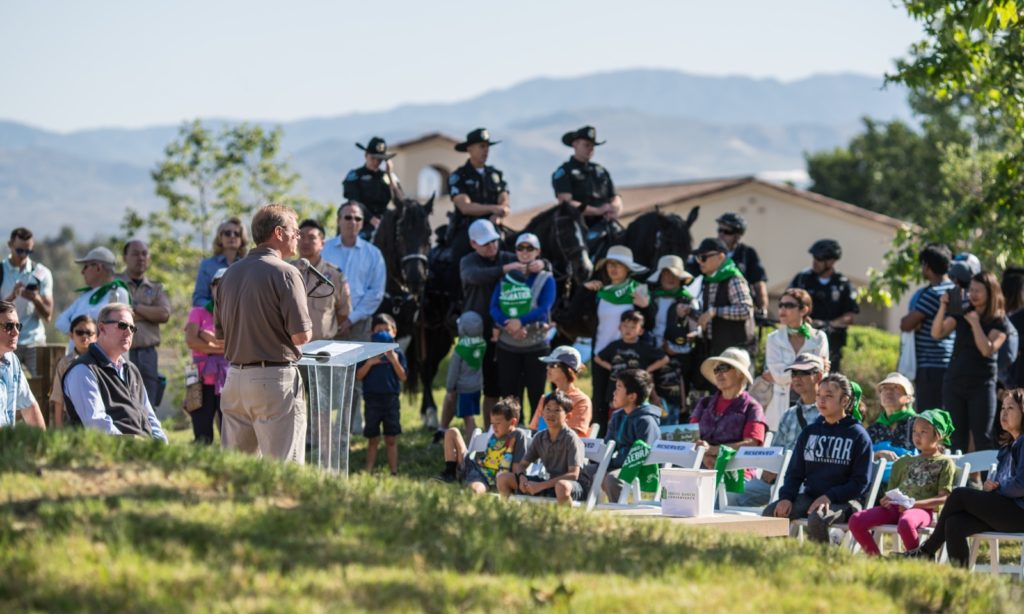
(619, 294)
(804, 331)
(515, 298)
(100, 292)
(471, 350)
(886, 420)
(727, 271)
(679, 292)
(209, 306)
(855, 406)
(733, 479)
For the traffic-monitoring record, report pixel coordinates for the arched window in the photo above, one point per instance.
(432, 180)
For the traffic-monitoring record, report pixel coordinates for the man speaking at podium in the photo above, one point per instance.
(262, 316)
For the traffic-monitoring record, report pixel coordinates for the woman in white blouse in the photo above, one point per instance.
(794, 336)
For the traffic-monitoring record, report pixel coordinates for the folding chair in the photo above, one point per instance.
(668, 454)
(595, 430)
(993, 538)
(477, 443)
(963, 470)
(983, 460)
(774, 459)
(597, 451)
(877, 468)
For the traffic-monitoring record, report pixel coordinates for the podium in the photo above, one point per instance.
(329, 368)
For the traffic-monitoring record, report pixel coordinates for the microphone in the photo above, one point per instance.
(304, 263)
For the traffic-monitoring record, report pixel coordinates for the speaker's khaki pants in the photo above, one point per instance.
(264, 411)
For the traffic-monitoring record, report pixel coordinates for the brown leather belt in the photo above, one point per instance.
(262, 364)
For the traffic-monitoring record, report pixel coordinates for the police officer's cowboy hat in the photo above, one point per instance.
(377, 148)
(480, 135)
(586, 132)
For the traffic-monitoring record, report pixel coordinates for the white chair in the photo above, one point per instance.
(963, 470)
(983, 460)
(769, 437)
(477, 442)
(597, 451)
(993, 538)
(595, 430)
(668, 454)
(774, 459)
(877, 468)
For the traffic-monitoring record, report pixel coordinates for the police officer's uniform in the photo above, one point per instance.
(374, 189)
(830, 300)
(589, 183)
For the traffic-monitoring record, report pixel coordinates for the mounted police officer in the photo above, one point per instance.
(835, 300)
(478, 191)
(587, 185)
(373, 184)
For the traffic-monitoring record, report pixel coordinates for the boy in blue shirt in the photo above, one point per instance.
(382, 379)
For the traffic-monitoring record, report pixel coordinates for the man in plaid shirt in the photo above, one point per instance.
(728, 317)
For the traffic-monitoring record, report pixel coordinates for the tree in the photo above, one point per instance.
(205, 177)
(971, 59)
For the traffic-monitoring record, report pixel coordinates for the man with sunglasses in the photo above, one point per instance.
(101, 288)
(29, 285)
(15, 394)
(103, 390)
(834, 297)
(731, 228)
(727, 319)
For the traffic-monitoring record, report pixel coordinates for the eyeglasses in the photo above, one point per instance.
(786, 305)
(795, 373)
(121, 325)
(84, 332)
(352, 218)
(21, 251)
(703, 257)
(10, 327)
(722, 368)
(727, 231)
(231, 233)
(526, 247)
(87, 265)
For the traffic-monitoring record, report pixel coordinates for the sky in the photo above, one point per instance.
(71, 65)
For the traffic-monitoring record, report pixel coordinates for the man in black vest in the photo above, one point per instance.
(585, 184)
(102, 390)
(478, 191)
(373, 184)
(728, 316)
(835, 300)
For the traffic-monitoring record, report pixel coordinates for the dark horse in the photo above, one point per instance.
(650, 236)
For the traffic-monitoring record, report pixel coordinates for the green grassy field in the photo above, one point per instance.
(95, 523)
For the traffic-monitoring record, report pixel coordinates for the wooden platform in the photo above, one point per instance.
(730, 523)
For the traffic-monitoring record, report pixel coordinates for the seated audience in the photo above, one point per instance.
(729, 417)
(559, 449)
(103, 390)
(83, 333)
(891, 432)
(564, 364)
(15, 394)
(505, 446)
(831, 464)
(629, 352)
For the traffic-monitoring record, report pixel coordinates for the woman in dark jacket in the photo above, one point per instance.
(999, 506)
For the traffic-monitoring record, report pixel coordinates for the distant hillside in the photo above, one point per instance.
(660, 125)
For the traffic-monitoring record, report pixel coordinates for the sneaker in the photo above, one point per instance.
(438, 437)
(916, 553)
(445, 477)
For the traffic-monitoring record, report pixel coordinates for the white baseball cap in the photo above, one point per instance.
(482, 232)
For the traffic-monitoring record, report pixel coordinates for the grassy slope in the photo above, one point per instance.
(90, 522)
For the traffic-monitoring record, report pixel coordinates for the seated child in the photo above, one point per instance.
(559, 449)
(638, 420)
(505, 447)
(382, 379)
(465, 379)
(629, 352)
(831, 461)
(926, 478)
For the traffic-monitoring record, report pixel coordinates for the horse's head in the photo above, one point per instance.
(412, 242)
(674, 235)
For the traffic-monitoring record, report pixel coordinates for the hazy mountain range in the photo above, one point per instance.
(660, 126)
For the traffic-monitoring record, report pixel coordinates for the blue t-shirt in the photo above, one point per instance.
(931, 353)
(381, 378)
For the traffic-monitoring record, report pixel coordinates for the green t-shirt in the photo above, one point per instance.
(923, 478)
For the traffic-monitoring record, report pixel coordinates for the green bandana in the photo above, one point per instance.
(855, 406)
(209, 306)
(681, 292)
(727, 271)
(102, 291)
(941, 420)
(515, 298)
(471, 350)
(619, 294)
(634, 468)
(733, 479)
(804, 331)
(886, 420)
